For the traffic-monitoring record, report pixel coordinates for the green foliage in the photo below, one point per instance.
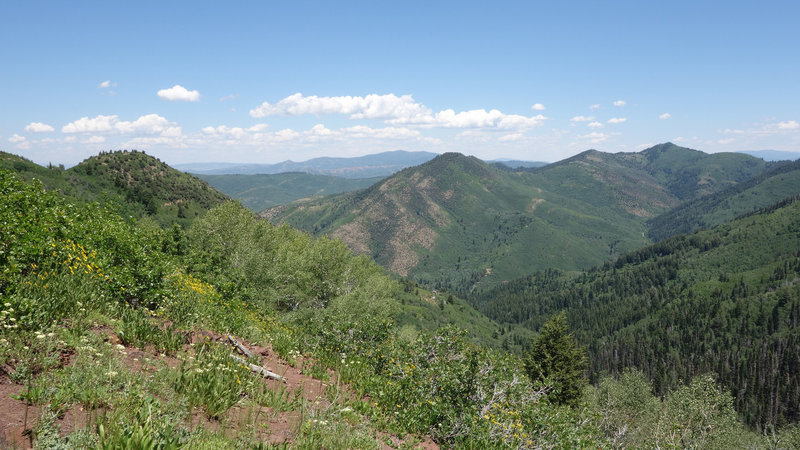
(212, 380)
(556, 360)
(697, 415)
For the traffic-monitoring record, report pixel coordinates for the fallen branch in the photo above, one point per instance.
(240, 347)
(264, 372)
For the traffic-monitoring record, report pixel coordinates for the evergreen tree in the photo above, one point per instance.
(556, 359)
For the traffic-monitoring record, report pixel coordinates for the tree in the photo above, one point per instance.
(555, 359)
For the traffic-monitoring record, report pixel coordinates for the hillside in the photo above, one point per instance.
(259, 192)
(132, 182)
(726, 301)
(117, 334)
(780, 181)
(456, 223)
(368, 166)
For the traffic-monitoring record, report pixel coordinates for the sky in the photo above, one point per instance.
(263, 82)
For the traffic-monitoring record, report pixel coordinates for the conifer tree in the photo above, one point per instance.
(556, 359)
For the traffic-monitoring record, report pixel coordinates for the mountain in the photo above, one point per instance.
(457, 223)
(725, 300)
(132, 182)
(376, 165)
(778, 182)
(773, 155)
(259, 192)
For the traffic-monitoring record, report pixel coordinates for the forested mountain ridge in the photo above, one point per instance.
(779, 181)
(133, 182)
(726, 301)
(456, 223)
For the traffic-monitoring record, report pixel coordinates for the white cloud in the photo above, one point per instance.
(538, 107)
(106, 84)
(372, 106)
(594, 107)
(582, 119)
(595, 124)
(620, 103)
(394, 110)
(152, 124)
(725, 141)
(361, 131)
(15, 139)
(228, 97)
(94, 140)
(615, 120)
(789, 125)
(665, 116)
(179, 93)
(476, 118)
(86, 125)
(596, 137)
(38, 127)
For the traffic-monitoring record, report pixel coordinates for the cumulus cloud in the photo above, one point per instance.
(615, 120)
(147, 124)
(788, 125)
(620, 103)
(372, 106)
(16, 139)
(595, 124)
(538, 107)
(38, 127)
(594, 107)
(179, 93)
(582, 119)
(394, 110)
(665, 116)
(476, 118)
(106, 84)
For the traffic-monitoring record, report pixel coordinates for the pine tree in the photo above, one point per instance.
(555, 359)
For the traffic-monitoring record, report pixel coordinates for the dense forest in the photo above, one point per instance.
(724, 301)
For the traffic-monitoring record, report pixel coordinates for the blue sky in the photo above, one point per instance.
(270, 81)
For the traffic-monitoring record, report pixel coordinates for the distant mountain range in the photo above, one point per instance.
(376, 165)
(773, 155)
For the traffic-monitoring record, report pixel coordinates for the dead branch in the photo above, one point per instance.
(240, 347)
(264, 372)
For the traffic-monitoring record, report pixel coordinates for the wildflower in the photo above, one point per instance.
(111, 374)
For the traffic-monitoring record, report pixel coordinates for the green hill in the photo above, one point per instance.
(132, 182)
(456, 223)
(778, 182)
(726, 301)
(259, 192)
